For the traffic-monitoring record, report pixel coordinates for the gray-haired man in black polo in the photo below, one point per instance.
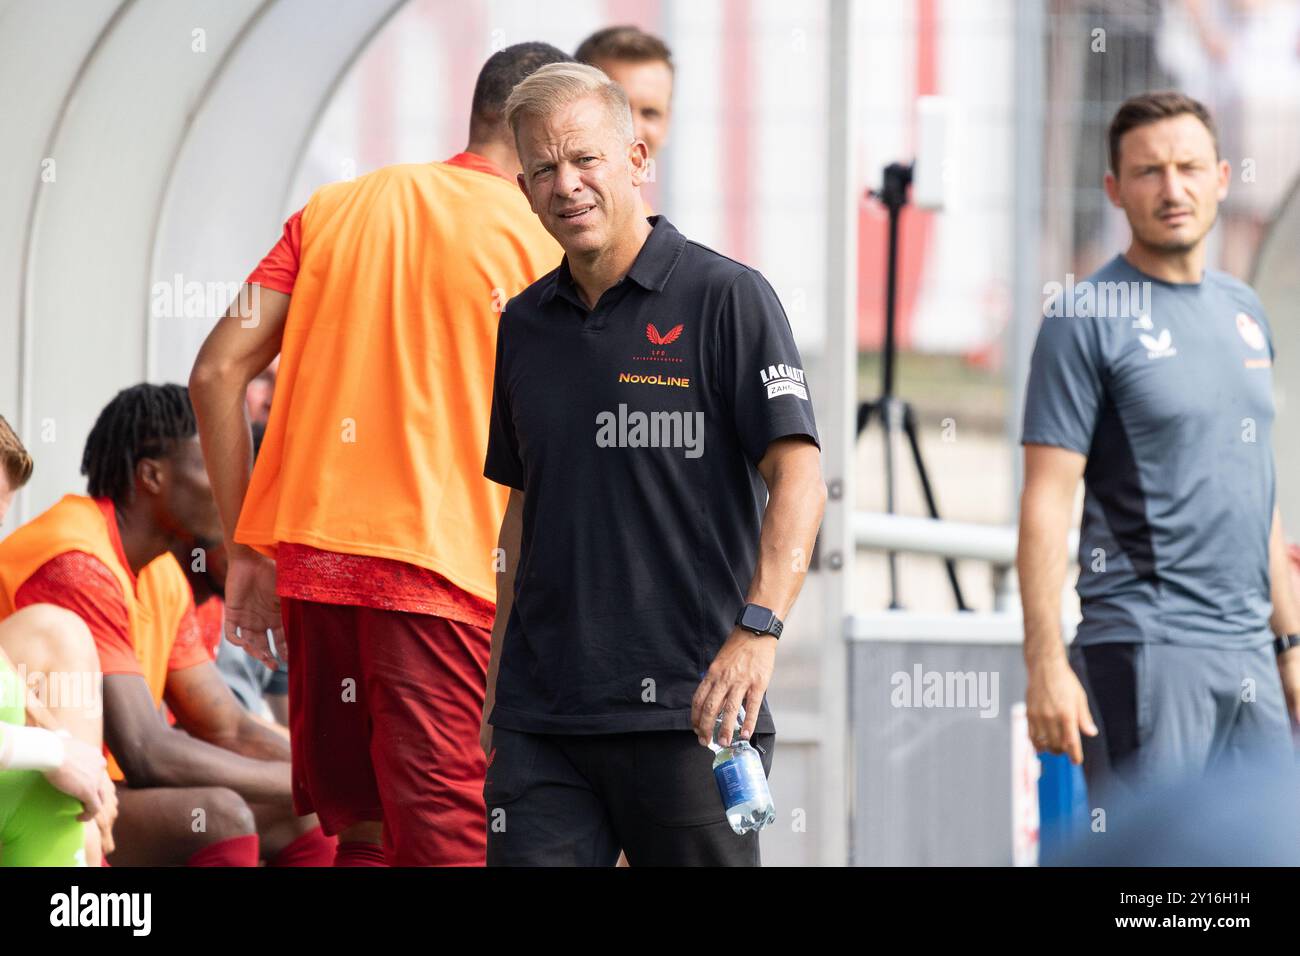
(648, 392)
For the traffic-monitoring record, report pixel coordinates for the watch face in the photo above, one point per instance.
(756, 618)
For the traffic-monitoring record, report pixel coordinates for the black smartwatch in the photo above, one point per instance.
(1285, 643)
(759, 620)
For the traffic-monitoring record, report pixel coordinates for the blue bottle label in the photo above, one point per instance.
(741, 779)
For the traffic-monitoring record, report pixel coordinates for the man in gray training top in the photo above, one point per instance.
(1152, 380)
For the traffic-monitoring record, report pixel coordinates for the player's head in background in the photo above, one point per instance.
(642, 64)
(1166, 172)
(583, 165)
(143, 454)
(15, 467)
(489, 134)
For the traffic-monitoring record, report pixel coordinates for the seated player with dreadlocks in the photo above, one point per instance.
(202, 797)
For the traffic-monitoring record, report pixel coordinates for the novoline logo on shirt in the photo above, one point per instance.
(784, 380)
(635, 378)
(1158, 346)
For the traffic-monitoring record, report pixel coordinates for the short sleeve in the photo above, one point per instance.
(503, 464)
(759, 372)
(84, 585)
(189, 647)
(279, 267)
(1064, 393)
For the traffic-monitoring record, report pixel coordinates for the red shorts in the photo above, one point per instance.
(384, 716)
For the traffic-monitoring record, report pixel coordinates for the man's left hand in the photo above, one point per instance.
(738, 675)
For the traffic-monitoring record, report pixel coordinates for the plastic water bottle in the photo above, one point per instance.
(738, 770)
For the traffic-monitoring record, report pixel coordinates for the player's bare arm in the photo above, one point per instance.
(151, 754)
(205, 706)
(1056, 702)
(1286, 615)
(512, 529)
(233, 354)
(742, 669)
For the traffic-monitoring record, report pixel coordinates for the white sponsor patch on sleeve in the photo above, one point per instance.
(784, 380)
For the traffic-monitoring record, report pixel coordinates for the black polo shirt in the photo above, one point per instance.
(633, 430)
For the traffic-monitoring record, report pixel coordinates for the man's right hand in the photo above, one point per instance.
(485, 738)
(1057, 707)
(253, 608)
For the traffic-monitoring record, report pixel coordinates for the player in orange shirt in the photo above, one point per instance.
(49, 678)
(200, 797)
(366, 514)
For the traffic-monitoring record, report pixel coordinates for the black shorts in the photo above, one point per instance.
(576, 800)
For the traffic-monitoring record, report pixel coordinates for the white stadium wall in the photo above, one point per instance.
(143, 141)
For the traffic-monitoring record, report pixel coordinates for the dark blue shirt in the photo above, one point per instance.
(634, 429)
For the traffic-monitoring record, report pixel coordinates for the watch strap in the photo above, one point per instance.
(774, 628)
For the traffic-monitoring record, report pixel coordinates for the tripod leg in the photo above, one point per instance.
(889, 423)
(909, 426)
(864, 416)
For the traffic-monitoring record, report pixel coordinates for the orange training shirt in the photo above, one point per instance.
(158, 601)
(378, 428)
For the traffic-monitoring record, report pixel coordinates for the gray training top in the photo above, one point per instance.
(1167, 389)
